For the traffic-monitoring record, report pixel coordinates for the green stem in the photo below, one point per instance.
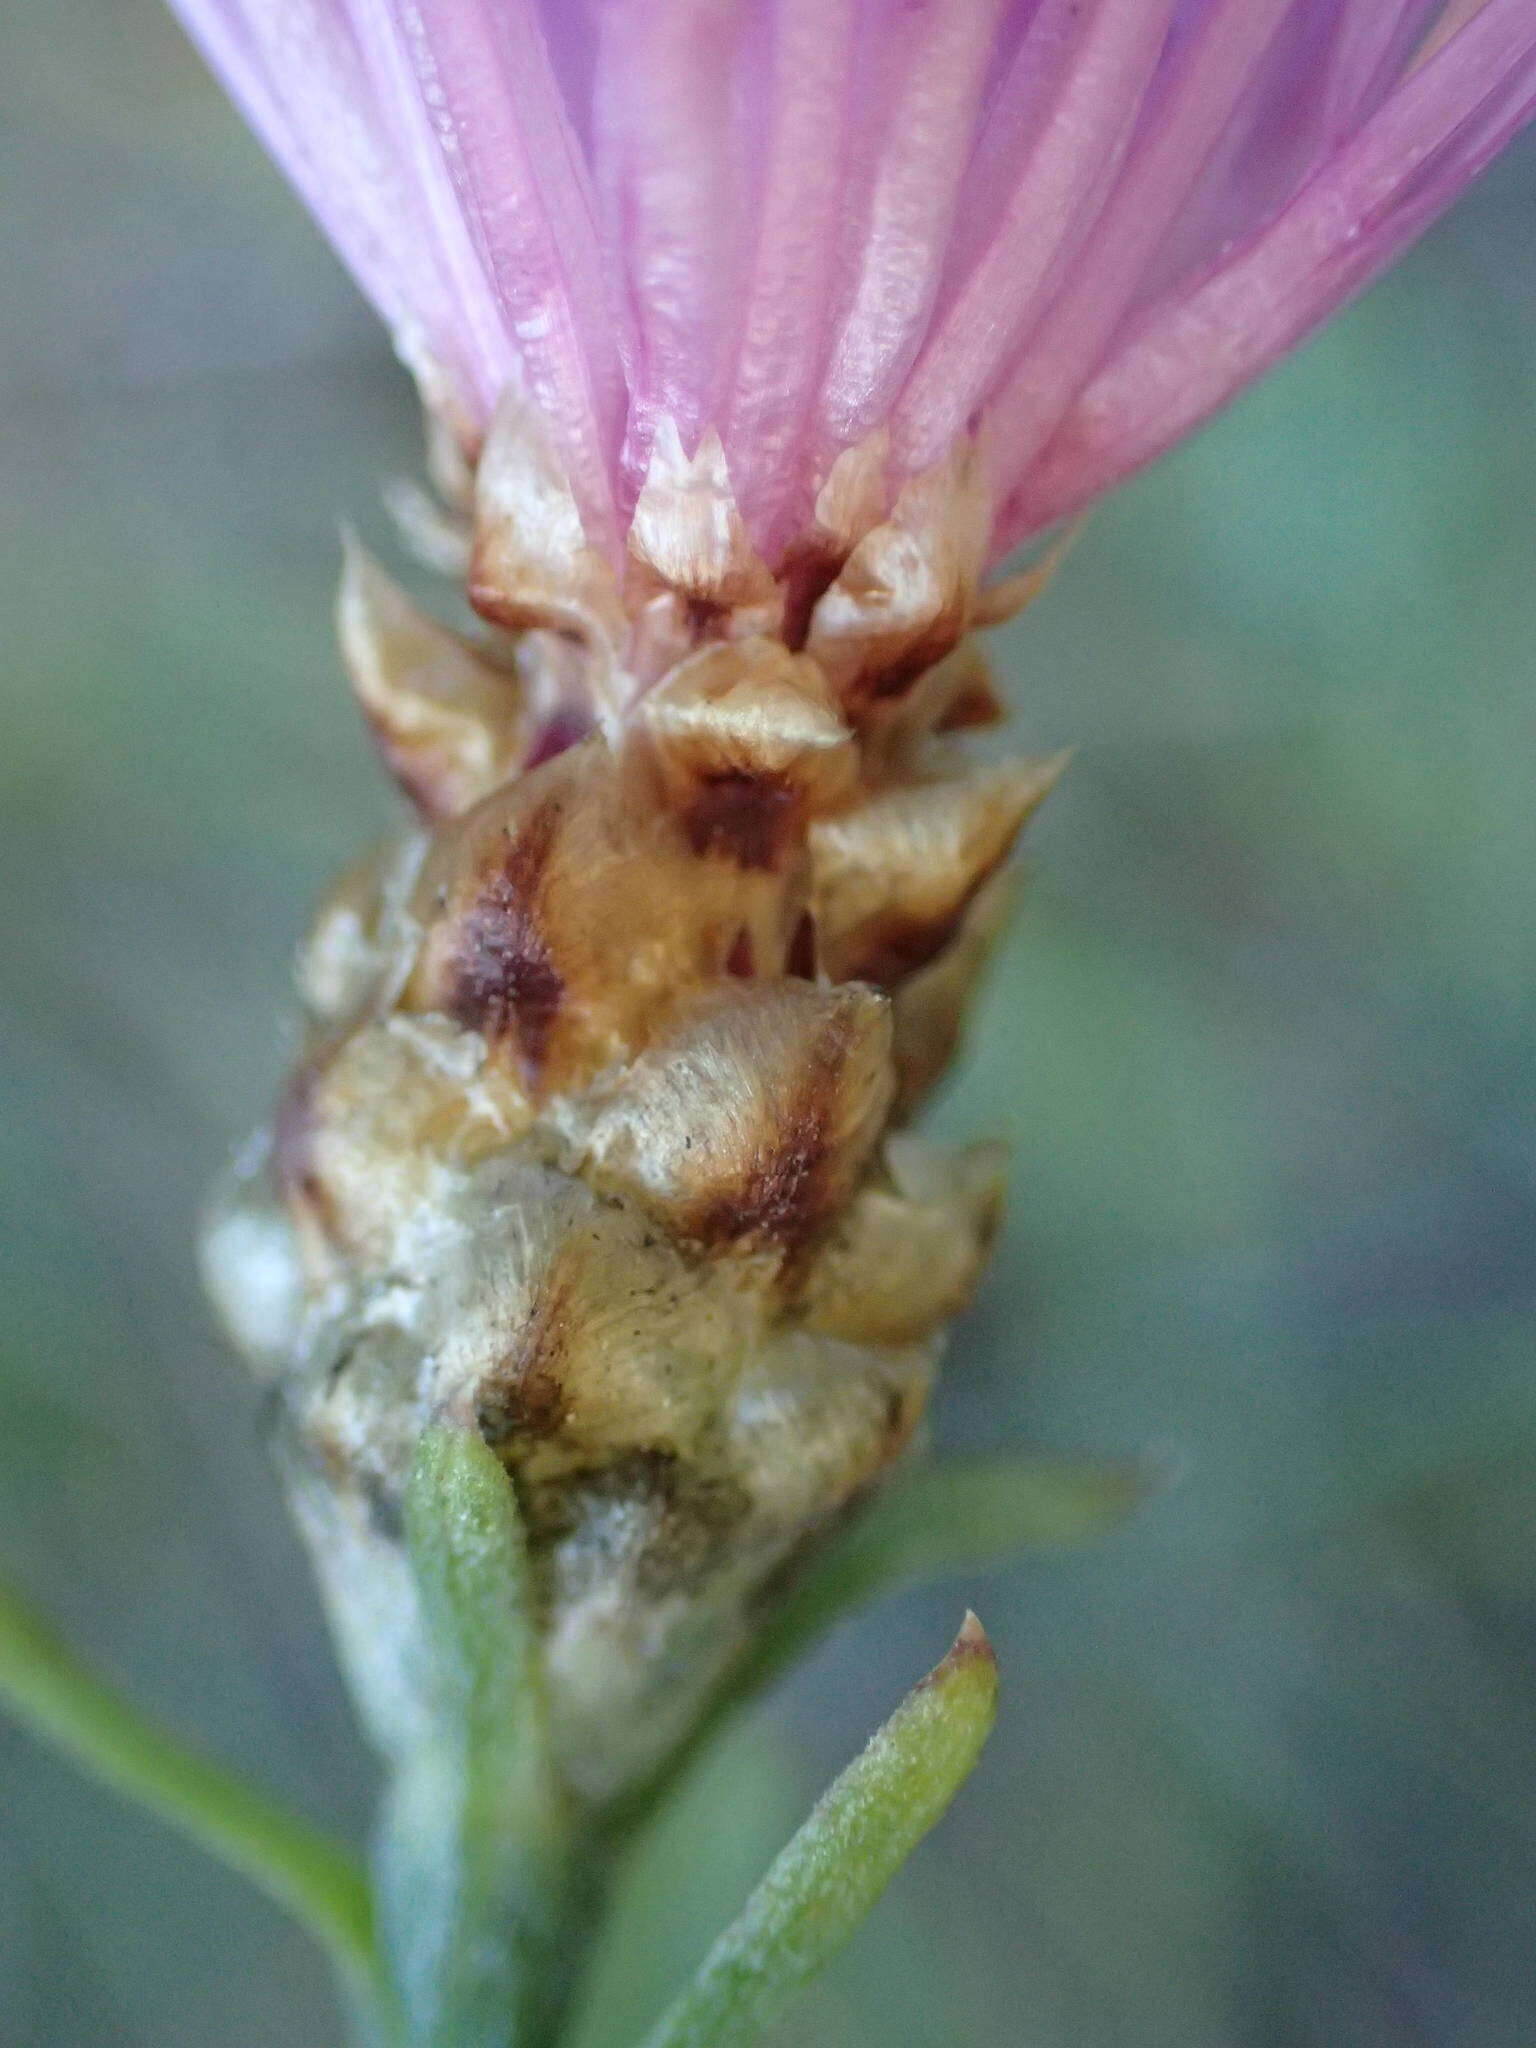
(476, 1865)
(302, 1870)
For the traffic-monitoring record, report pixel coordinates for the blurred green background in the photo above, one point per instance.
(1266, 1775)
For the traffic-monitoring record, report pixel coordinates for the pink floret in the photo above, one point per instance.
(1076, 226)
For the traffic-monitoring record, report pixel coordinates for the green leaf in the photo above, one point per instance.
(966, 1514)
(474, 1858)
(820, 1888)
(311, 1877)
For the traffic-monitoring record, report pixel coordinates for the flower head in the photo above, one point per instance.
(763, 327)
(1079, 226)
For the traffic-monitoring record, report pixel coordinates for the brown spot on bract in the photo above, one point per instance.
(975, 704)
(503, 980)
(740, 961)
(898, 946)
(903, 1411)
(780, 1199)
(746, 1125)
(893, 878)
(886, 684)
(524, 1395)
(741, 817)
(806, 573)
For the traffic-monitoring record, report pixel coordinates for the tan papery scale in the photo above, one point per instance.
(598, 1142)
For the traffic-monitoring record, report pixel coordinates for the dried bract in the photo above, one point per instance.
(592, 1144)
(751, 346)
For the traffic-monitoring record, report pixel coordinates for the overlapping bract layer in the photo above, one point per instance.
(1087, 222)
(754, 334)
(597, 1141)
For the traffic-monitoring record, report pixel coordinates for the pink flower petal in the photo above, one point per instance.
(922, 70)
(403, 119)
(671, 183)
(781, 338)
(1084, 128)
(484, 73)
(797, 224)
(297, 76)
(1188, 357)
(1214, 69)
(1374, 43)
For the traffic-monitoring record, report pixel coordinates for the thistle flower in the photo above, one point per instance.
(754, 337)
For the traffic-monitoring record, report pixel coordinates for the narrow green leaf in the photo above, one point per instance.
(311, 1877)
(820, 1888)
(474, 1856)
(965, 1514)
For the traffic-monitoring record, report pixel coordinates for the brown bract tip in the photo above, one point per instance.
(750, 1123)
(1010, 595)
(744, 743)
(689, 535)
(533, 564)
(450, 726)
(905, 594)
(854, 497)
(893, 878)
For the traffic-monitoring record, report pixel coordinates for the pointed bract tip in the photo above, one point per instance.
(1051, 768)
(970, 1656)
(973, 1641)
(1000, 601)
(965, 1678)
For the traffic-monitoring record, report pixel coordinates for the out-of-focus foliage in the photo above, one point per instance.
(1264, 1038)
(319, 1881)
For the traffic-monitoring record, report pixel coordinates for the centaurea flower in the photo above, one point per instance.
(754, 337)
